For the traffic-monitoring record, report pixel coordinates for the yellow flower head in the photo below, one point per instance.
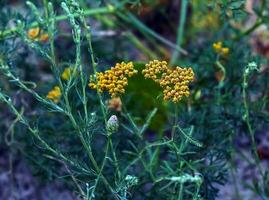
(173, 81)
(224, 51)
(66, 74)
(114, 80)
(154, 69)
(55, 94)
(44, 37)
(37, 34)
(33, 33)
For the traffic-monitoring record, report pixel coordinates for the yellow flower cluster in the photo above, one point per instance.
(173, 81)
(66, 74)
(37, 35)
(114, 80)
(154, 69)
(220, 49)
(55, 94)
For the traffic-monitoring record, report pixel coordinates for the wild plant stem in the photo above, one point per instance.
(101, 170)
(223, 70)
(257, 24)
(74, 179)
(116, 163)
(103, 109)
(130, 18)
(90, 12)
(221, 81)
(180, 31)
(175, 122)
(94, 65)
(250, 130)
(35, 133)
(180, 192)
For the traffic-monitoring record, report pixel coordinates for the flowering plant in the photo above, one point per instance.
(158, 124)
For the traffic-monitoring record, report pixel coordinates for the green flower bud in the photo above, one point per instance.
(112, 124)
(131, 181)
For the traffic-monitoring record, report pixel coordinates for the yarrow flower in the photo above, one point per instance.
(173, 81)
(113, 80)
(154, 69)
(55, 94)
(37, 35)
(220, 49)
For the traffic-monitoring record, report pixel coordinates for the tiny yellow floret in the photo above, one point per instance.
(37, 34)
(219, 49)
(33, 33)
(66, 74)
(44, 37)
(225, 51)
(55, 94)
(217, 46)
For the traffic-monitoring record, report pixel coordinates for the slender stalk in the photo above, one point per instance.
(180, 192)
(90, 12)
(221, 81)
(100, 172)
(74, 179)
(129, 35)
(45, 4)
(249, 30)
(257, 24)
(175, 122)
(132, 38)
(67, 103)
(35, 133)
(130, 18)
(129, 117)
(250, 130)
(32, 92)
(180, 31)
(223, 70)
(94, 65)
(103, 109)
(116, 163)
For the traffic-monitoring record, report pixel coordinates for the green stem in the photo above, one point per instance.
(100, 172)
(116, 163)
(175, 122)
(180, 192)
(132, 38)
(250, 130)
(250, 30)
(94, 65)
(130, 18)
(223, 70)
(45, 4)
(90, 12)
(180, 31)
(35, 133)
(221, 81)
(129, 117)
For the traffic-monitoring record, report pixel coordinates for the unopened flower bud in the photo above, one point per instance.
(112, 124)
